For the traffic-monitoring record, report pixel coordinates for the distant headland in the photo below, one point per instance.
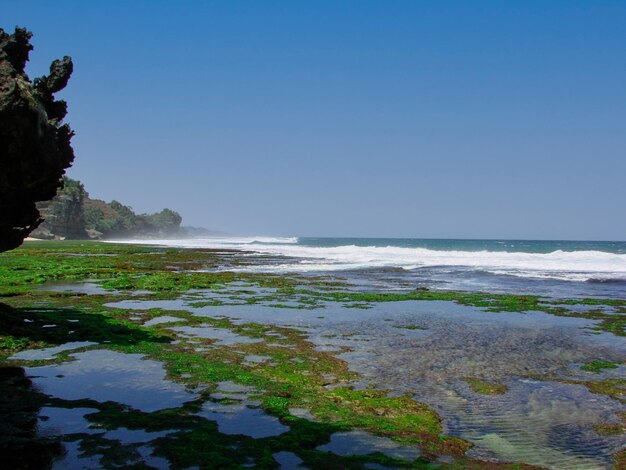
(72, 214)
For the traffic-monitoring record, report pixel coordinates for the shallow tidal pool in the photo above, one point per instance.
(218, 385)
(544, 414)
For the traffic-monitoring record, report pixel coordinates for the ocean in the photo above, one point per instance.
(564, 269)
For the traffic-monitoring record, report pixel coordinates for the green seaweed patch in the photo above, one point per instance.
(36, 263)
(610, 323)
(485, 388)
(614, 388)
(11, 344)
(598, 366)
(24, 328)
(169, 281)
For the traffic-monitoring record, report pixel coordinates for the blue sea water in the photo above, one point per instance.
(544, 267)
(527, 246)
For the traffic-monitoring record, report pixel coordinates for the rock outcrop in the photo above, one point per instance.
(72, 214)
(35, 146)
(64, 215)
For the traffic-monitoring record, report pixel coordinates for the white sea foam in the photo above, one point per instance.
(562, 265)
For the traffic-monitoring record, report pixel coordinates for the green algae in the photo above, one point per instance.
(485, 388)
(410, 327)
(23, 328)
(613, 387)
(11, 344)
(598, 366)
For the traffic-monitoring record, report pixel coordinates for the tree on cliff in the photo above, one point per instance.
(35, 145)
(167, 221)
(72, 214)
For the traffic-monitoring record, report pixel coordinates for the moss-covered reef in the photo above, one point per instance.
(168, 272)
(22, 328)
(292, 374)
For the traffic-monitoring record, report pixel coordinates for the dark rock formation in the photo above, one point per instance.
(21, 445)
(35, 145)
(64, 215)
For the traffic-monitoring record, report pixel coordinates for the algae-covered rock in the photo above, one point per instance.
(35, 146)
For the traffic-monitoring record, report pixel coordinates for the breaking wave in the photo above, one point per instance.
(590, 266)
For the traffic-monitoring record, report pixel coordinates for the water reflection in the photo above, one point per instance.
(21, 446)
(104, 375)
(363, 443)
(428, 348)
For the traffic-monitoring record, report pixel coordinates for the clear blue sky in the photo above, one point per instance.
(363, 118)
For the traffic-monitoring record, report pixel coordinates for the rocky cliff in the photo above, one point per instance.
(72, 214)
(35, 145)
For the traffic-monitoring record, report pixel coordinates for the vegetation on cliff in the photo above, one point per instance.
(73, 214)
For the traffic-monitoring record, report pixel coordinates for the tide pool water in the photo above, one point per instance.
(426, 349)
